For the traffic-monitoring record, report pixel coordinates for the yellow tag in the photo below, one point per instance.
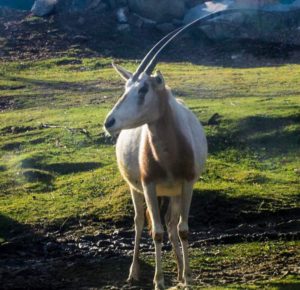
(165, 189)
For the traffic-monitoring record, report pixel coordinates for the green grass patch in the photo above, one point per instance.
(56, 164)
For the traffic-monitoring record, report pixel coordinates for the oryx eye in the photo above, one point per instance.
(143, 90)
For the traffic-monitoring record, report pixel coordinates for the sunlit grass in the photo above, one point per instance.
(50, 174)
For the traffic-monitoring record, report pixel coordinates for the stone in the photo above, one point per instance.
(112, 4)
(122, 15)
(94, 4)
(158, 10)
(81, 20)
(80, 38)
(253, 3)
(206, 8)
(123, 27)
(273, 23)
(135, 20)
(43, 7)
(165, 27)
(193, 3)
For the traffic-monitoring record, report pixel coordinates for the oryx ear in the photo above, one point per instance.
(158, 80)
(125, 75)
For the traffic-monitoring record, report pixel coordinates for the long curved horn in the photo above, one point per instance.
(151, 53)
(151, 65)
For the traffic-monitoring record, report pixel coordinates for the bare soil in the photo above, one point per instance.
(23, 36)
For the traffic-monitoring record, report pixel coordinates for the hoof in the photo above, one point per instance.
(179, 278)
(184, 286)
(132, 280)
(160, 287)
(159, 284)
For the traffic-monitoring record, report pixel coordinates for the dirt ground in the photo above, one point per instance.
(23, 36)
(77, 255)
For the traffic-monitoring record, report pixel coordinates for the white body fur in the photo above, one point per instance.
(130, 141)
(147, 114)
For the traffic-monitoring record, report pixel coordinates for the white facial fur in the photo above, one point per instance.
(135, 107)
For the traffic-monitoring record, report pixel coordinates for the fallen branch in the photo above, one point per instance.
(72, 130)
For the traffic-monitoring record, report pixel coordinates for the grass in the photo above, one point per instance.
(56, 165)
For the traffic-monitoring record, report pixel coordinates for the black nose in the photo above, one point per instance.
(110, 122)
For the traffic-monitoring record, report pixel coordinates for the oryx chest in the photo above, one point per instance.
(167, 164)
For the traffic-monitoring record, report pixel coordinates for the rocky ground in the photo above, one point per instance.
(76, 255)
(23, 36)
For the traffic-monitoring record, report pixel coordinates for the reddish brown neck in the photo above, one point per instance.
(166, 152)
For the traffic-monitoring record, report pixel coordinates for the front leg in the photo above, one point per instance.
(138, 203)
(157, 232)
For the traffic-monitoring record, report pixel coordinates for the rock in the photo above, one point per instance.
(253, 3)
(112, 4)
(273, 23)
(206, 8)
(80, 38)
(81, 20)
(165, 27)
(158, 10)
(77, 5)
(43, 7)
(193, 3)
(94, 4)
(135, 20)
(122, 15)
(123, 27)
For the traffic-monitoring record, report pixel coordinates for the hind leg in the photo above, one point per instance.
(138, 203)
(172, 218)
(183, 229)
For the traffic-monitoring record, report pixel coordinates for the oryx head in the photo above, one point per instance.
(140, 102)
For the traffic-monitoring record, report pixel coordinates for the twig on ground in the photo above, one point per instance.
(72, 130)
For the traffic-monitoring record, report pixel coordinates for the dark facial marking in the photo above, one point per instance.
(142, 93)
(158, 80)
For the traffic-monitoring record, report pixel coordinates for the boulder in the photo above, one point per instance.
(17, 4)
(43, 7)
(80, 6)
(193, 3)
(95, 5)
(273, 23)
(122, 15)
(158, 10)
(206, 8)
(123, 27)
(165, 27)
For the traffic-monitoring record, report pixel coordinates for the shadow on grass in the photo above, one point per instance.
(36, 170)
(12, 146)
(2, 168)
(214, 209)
(10, 228)
(59, 265)
(69, 168)
(37, 162)
(56, 85)
(258, 131)
(95, 275)
(285, 286)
